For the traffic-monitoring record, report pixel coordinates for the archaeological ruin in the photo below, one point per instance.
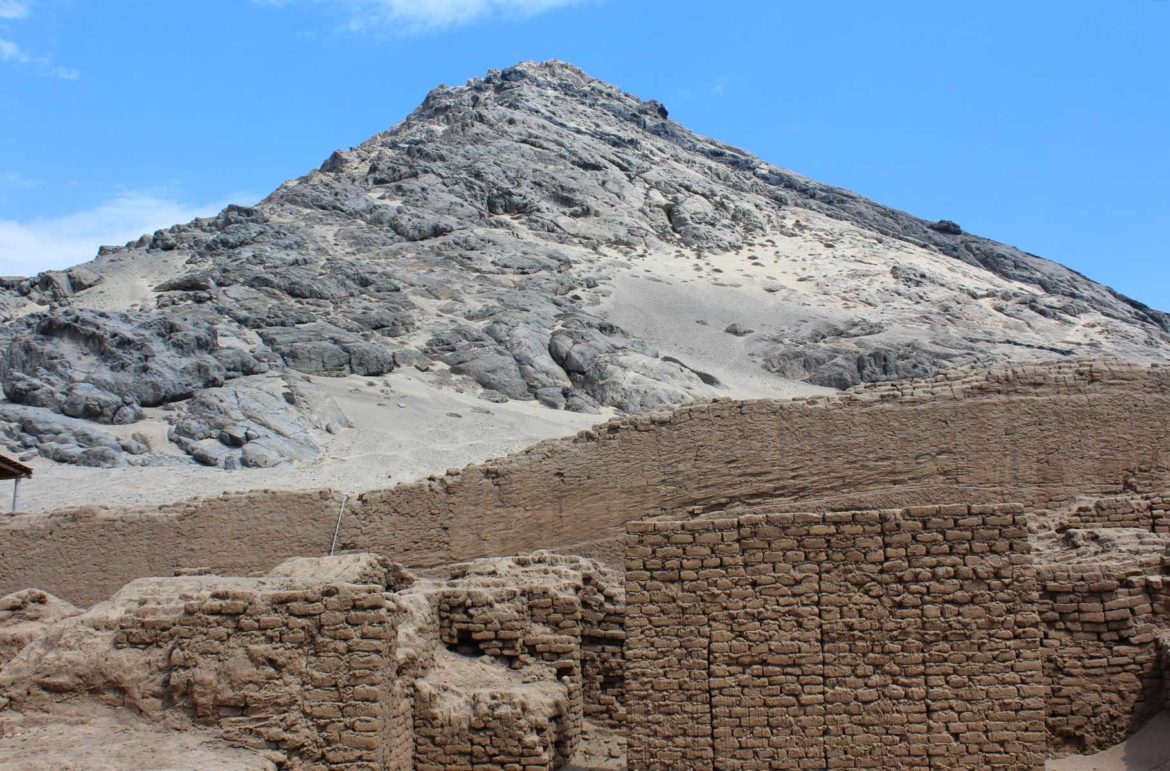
(965, 572)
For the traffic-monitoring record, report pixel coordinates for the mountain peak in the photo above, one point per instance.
(534, 235)
(551, 85)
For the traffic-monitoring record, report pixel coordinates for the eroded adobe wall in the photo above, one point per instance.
(504, 730)
(1149, 512)
(347, 662)
(1037, 434)
(509, 688)
(1106, 616)
(306, 672)
(894, 639)
(85, 555)
(1102, 656)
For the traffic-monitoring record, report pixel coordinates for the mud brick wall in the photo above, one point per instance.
(603, 634)
(878, 639)
(958, 438)
(484, 622)
(507, 622)
(1102, 655)
(306, 672)
(1149, 512)
(504, 730)
(593, 617)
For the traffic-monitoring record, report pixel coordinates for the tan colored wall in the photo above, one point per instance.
(1034, 434)
(1102, 655)
(308, 672)
(347, 662)
(1149, 512)
(86, 555)
(508, 729)
(884, 640)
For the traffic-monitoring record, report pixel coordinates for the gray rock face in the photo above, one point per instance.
(255, 422)
(106, 367)
(66, 440)
(320, 348)
(837, 367)
(479, 238)
(739, 330)
(53, 285)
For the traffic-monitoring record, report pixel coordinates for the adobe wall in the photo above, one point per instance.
(307, 672)
(87, 554)
(1149, 512)
(1102, 655)
(1106, 618)
(511, 728)
(881, 639)
(1036, 434)
(348, 662)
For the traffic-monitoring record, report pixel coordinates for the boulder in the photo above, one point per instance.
(64, 439)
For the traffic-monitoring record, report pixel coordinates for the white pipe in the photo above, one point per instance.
(16, 495)
(337, 529)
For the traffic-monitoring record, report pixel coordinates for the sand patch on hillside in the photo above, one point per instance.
(417, 430)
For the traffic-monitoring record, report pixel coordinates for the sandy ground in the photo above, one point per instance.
(687, 322)
(1147, 750)
(407, 434)
(89, 737)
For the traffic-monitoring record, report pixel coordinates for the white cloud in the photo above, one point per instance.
(15, 179)
(415, 16)
(13, 9)
(11, 52)
(31, 246)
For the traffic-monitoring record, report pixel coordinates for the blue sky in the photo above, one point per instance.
(1042, 124)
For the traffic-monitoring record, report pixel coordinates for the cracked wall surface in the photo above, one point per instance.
(876, 639)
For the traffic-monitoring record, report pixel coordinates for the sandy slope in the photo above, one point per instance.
(434, 429)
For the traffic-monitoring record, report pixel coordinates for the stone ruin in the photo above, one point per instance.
(814, 626)
(933, 637)
(1104, 601)
(352, 662)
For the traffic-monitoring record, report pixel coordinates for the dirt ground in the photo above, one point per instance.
(90, 737)
(601, 749)
(1147, 750)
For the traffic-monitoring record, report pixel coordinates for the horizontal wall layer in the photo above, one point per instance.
(1037, 434)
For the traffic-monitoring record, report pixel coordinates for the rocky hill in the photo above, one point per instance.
(534, 241)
